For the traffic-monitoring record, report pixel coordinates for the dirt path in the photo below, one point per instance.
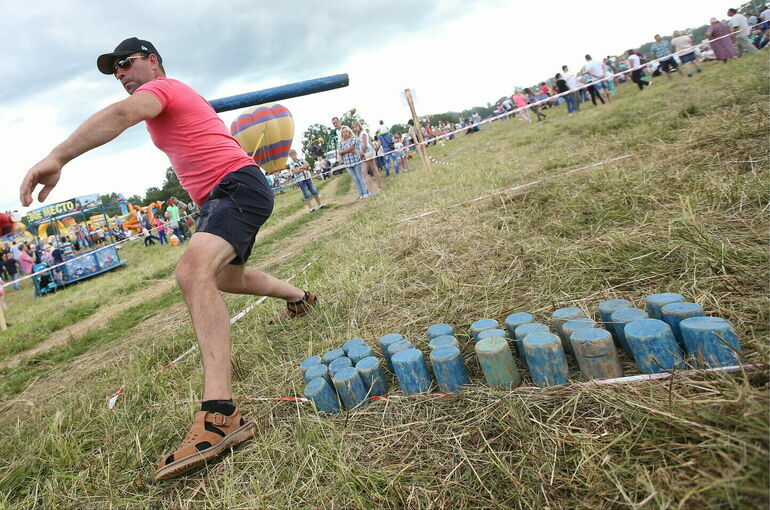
(326, 220)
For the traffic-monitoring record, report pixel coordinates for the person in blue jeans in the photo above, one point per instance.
(386, 142)
(350, 152)
(301, 169)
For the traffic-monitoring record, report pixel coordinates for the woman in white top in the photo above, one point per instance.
(368, 155)
(683, 42)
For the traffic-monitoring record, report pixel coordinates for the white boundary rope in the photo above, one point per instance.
(518, 187)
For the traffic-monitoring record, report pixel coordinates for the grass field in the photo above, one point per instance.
(687, 213)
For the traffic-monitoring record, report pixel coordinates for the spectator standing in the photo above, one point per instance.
(521, 104)
(573, 84)
(593, 71)
(57, 257)
(12, 267)
(172, 213)
(386, 142)
(26, 260)
(301, 170)
(683, 42)
(637, 70)
(764, 16)
(350, 150)
(534, 107)
(723, 47)
(741, 32)
(401, 152)
(15, 251)
(368, 155)
(3, 324)
(161, 230)
(569, 97)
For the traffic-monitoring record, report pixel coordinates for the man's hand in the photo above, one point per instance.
(99, 129)
(47, 172)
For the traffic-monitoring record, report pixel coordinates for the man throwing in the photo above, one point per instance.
(235, 201)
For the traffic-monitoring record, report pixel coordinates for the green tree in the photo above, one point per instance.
(351, 116)
(171, 188)
(318, 134)
(398, 129)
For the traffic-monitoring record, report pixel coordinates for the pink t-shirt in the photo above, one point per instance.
(520, 100)
(193, 137)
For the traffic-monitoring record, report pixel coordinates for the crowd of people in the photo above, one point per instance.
(597, 80)
(18, 259)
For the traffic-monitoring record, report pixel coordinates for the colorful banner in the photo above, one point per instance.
(68, 206)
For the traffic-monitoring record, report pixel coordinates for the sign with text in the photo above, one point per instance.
(60, 208)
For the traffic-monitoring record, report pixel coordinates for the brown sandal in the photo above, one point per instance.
(209, 437)
(295, 310)
(301, 307)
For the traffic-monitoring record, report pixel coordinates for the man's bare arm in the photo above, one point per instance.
(99, 129)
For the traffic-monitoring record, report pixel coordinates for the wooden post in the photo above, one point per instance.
(418, 131)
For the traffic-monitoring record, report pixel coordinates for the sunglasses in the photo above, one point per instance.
(126, 62)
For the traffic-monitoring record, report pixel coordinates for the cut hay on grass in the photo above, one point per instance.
(687, 213)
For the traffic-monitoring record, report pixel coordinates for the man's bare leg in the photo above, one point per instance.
(236, 280)
(196, 274)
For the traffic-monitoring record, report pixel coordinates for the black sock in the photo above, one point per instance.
(225, 407)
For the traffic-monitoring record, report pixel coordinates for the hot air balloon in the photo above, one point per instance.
(265, 133)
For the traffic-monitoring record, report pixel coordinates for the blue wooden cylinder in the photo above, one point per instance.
(496, 362)
(524, 330)
(309, 362)
(273, 94)
(440, 330)
(656, 301)
(674, 313)
(386, 341)
(489, 333)
(316, 371)
(547, 362)
(480, 325)
(559, 317)
(570, 327)
(444, 341)
(352, 343)
(620, 318)
(332, 355)
(607, 308)
(449, 369)
(359, 352)
(515, 320)
(338, 364)
(350, 388)
(322, 395)
(373, 376)
(394, 348)
(595, 353)
(712, 341)
(411, 371)
(653, 345)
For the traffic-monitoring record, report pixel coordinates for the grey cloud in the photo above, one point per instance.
(205, 42)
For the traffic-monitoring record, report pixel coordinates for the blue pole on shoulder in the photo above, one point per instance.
(300, 88)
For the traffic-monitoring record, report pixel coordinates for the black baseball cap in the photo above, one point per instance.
(127, 47)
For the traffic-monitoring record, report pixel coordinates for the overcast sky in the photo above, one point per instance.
(454, 54)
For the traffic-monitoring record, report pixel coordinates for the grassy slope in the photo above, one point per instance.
(684, 214)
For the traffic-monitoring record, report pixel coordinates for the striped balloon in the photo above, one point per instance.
(265, 133)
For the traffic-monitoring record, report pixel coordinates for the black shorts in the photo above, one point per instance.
(236, 208)
(667, 65)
